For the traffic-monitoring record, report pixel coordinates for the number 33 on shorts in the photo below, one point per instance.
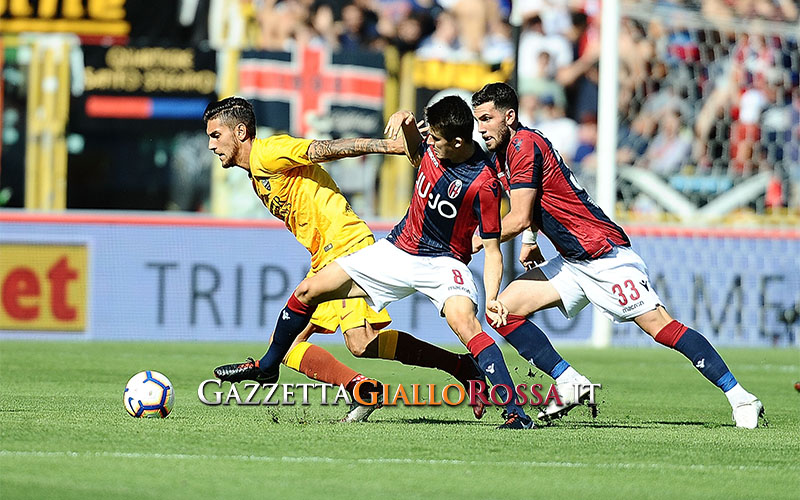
(629, 291)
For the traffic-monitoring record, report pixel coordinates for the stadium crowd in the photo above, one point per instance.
(708, 91)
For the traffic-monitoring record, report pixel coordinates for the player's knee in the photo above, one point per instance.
(358, 349)
(305, 291)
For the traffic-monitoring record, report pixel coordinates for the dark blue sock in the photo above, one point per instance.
(700, 352)
(491, 361)
(293, 319)
(533, 345)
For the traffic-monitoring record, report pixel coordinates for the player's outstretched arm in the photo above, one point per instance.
(403, 124)
(492, 277)
(336, 149)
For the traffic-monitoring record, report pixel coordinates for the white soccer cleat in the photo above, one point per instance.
(566, 392)
(359, 412)
(746, 415)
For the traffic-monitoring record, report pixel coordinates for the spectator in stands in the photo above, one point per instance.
(472, 19)
(322, 24)
(358, 28)
(670, 147)
(443, 44)
(580, 77)
(558, 127)
(585, 161)
(411, 30)
(774, 10)
(538, 87)
(279, 23)
(497, 45)
(632, 140)
(532, 43)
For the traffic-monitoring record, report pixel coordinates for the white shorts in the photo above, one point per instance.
(388, 274)
(615, 283)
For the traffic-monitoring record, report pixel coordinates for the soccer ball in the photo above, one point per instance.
(149, 394)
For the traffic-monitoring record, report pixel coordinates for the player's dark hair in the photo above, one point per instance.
(451, 117)
(500, 94)
(232, 111)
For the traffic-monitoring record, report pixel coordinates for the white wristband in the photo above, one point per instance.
(529, 237)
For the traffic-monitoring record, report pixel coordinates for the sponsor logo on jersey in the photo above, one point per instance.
(279, 208)
(425, 190)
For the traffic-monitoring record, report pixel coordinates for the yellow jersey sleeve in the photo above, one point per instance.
(278, 153)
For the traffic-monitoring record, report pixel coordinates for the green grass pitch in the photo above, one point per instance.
(662, 432)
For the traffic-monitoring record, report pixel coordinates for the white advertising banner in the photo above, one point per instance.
(134, 277)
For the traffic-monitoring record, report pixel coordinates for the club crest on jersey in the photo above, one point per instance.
(517, 143)
(265, 183)
(454, 189)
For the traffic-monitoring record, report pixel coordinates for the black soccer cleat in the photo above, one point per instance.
(468, 370)
(516, 421)
(248, 370)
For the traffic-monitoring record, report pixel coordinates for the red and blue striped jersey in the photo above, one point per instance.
(563, 210)
(449, 202)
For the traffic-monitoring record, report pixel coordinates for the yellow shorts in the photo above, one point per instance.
(349, 313)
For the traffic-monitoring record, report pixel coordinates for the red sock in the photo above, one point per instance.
(478, 343)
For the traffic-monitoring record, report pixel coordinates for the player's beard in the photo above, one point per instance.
(230, 160)
(501, 139)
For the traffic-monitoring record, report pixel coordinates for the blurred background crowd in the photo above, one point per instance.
(708, 89)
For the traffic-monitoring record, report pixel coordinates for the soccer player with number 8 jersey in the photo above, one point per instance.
(286, 175)
(456, 192)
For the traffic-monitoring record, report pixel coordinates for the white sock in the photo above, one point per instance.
(570, 375)
(737, 394)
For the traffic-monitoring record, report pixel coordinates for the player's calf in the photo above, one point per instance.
(709, 363)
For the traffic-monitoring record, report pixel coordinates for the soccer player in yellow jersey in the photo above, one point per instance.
(286, 175)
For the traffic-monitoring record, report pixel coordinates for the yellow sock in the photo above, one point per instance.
(387, 344)
(295, 356)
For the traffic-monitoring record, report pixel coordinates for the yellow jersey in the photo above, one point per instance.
(305, 197)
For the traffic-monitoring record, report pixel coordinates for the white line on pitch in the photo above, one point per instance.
(384, 460)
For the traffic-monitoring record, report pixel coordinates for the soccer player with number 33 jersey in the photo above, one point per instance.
(595, 263)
